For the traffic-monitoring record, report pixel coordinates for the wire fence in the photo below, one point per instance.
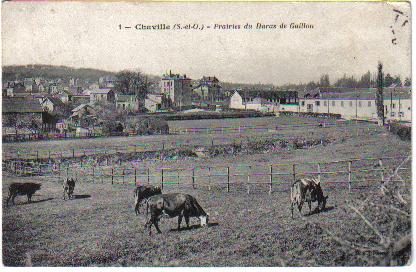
(341, 174)
(237, 136)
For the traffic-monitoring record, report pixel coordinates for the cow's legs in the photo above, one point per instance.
(8, 198)
(13, 197)
(179, 221)
(64, 193)
(156, 223)
(291, 209)
(187, 220)
(300, 208)
(310, 207)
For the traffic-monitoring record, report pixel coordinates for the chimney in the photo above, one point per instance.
(184, 75)
(170, 72)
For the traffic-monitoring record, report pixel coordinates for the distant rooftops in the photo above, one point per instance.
(171, 76)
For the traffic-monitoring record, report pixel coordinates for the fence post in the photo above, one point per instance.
(49, 154)
(193, 178)
(161, 186)
(228, 179)
(380, 163)
(212, 142)
(124, 173)
(294, 172)
(73, 152)
(178, 177)
(271, 179)
(112, 176)
(248, 179)
(67, 171)
(93, 174)
(15, 167)
(135, 176)
(319, 173)
(148, 176)
(349, 176)
(37, 154)
(209, 178)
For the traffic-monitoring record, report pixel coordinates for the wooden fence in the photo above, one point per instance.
(349, 173)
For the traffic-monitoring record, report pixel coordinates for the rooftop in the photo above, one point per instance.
(21, 105)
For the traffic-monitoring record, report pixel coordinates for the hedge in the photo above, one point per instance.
(404, 132)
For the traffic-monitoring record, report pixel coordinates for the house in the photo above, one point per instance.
(258, 104)
(177, 89)
(361, 105)
(18, 90)
(51, 104)
(107, 95)
(127, 102)
(83, 110)
(62, 126)
(208, 89)
(25, 110)
(153, 102)
(236, 101)
(80, 98)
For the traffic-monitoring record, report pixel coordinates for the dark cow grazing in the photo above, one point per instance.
(143, 192)
(172, 205)
(27, 188)
(307, 190)
(69, 186)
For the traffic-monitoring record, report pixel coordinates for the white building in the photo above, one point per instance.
(258, 104)
(177, 88)
(358, 108)
(153, 102)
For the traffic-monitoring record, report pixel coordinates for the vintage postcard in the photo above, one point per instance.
(206, 134)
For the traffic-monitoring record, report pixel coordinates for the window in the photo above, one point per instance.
(401, 114)
(342, 103)
(393, 106)
(303, 103)
(369, 103)
(325, 104)
(333, 103)
(350, 103)
(317, 103)
(392, 114)
(359, 104)
(408, 108)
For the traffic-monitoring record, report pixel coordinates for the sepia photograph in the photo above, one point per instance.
(206, 134)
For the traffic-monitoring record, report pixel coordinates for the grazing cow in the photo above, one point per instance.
(307, 190)
(69, 186)
(26, 188)
(143, 192)
(172, 205)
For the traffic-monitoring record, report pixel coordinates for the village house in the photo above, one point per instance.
(177, 88)
(106, 95)
(208, 89)
(24, 110)
(153, 102)
(257, 103)
(127, 102)
(80, 112)
(80, 98)
(51, 104)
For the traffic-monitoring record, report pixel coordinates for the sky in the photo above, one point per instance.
(346, 38)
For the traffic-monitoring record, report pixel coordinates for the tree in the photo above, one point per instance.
(129, 82)
(324, 81)
(379, 100)
(388, 80)
(397, 81)
(407, 82)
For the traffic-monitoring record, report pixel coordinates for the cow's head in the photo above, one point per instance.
(204, 220)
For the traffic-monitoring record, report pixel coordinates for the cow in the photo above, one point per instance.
(69, 186)
(307, 190)
(26, 188)
(143, 192)
(172, 205)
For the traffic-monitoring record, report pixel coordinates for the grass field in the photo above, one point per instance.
(99, 227)
(291, 127)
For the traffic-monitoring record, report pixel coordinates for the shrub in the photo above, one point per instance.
(404, 132)
(152, 125)
(312, 114)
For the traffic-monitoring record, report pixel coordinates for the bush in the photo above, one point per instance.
(152, 125)
(404, 132)
(312, 114)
